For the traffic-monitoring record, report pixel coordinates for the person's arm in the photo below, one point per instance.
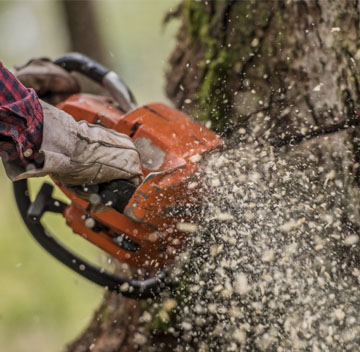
(21, 122)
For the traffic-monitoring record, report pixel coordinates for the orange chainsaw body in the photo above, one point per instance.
(170, 145)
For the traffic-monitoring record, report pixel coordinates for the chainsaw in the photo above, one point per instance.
(141, 226)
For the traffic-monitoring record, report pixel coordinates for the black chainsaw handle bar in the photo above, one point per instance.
(108, 79)
(136, 289)
(83, 64)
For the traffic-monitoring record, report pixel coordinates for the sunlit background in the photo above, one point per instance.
(43, 305)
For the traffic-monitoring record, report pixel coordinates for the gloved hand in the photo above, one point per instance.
(51, 82)
(78, 153)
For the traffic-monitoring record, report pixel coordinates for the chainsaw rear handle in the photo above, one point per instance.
(108, 79)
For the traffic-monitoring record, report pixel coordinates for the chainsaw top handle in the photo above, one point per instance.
(108, 79)
(83, 64)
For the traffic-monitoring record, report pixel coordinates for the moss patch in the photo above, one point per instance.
(213, 96)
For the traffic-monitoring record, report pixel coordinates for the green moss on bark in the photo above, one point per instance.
(213, 98)
(224, 59)
(213, 95)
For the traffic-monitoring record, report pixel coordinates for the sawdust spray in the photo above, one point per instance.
(273, 265)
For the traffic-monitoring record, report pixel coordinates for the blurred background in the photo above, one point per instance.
(43, 305)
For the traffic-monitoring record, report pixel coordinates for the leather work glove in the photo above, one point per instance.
(51, 82)
(78, 153)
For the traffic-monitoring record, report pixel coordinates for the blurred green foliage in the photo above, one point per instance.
(40, 298)
(43, 305)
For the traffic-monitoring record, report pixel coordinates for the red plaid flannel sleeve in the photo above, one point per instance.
(21, 121)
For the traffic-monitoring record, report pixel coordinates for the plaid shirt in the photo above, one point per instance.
(20, 120)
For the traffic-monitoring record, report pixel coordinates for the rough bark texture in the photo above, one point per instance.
(287, 68)
(117, 326)
(280, 71)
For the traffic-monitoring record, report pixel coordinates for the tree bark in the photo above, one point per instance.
(84, 36)
(288, 68)
(283, 75)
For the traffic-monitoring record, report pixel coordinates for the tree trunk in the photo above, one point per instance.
(83, 29)
(84, 37)
(280, 79)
